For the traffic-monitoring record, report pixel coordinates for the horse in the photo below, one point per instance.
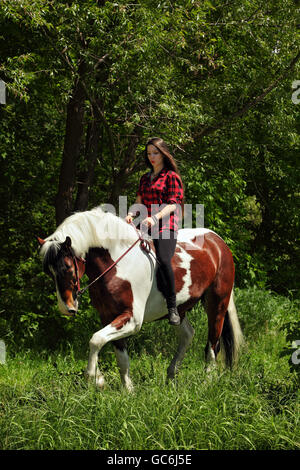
(126, 290)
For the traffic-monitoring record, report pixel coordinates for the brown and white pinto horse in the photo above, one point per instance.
(128, 295)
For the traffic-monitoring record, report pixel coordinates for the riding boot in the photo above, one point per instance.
(173, 315)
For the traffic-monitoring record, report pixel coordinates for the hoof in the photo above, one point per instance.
(211, 371)
(210, 367)
(129, 388)
(170, 374)
(100, 382)
(97, 380)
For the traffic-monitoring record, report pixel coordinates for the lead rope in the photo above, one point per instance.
(145, 246)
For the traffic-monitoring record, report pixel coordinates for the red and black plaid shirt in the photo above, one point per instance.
(165, 188)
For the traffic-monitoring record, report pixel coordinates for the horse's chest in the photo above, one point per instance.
(111, 297)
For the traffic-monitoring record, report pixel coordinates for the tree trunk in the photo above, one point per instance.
(93, 143)
(64, 203)
(120, 182)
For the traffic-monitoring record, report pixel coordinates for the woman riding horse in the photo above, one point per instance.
(162, 186)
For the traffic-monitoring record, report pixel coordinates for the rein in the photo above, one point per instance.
(145, 245)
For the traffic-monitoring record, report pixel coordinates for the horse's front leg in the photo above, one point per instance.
(121, 327)
(92, 371)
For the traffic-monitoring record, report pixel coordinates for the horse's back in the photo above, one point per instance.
(208, 262)
(202, 240)
(199, 261)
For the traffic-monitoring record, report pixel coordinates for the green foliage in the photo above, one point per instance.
(214, 80)
(47, 404)
(189, 71)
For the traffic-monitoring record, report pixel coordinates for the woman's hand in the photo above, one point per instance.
(129, 218)
(148, 222)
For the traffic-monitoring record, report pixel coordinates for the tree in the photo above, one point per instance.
(89, 81)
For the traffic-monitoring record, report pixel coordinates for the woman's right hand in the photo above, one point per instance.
(129, 219)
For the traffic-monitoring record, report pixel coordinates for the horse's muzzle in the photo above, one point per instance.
(71, 312)
(68, 310)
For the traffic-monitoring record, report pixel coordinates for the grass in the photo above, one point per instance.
(45, 402)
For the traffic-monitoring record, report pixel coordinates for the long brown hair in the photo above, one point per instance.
(169, 160)
(160, 144)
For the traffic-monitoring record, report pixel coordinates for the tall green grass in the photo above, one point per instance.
(45, 402)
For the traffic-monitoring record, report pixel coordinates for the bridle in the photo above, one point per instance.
(144, 244)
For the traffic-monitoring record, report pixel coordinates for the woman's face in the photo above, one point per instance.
(155, 157)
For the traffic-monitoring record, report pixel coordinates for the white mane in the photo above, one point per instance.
(91, 229)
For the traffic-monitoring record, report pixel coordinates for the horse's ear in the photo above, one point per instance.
(68, 242)
(41, 241)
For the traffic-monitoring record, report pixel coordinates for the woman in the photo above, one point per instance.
(162, 186)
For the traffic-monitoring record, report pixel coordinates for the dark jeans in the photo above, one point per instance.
(165, 249)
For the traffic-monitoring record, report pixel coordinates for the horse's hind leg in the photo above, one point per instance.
(216, 308)
(123, 363)
(185, 333)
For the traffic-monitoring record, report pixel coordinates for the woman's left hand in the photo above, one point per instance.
(148, 222)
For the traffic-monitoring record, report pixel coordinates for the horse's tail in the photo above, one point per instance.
(232, 336)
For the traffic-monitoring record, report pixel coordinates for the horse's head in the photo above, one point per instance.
(61, 263)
